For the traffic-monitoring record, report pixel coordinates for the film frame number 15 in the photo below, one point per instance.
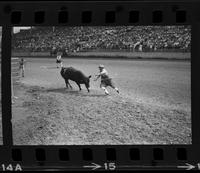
(110, 166)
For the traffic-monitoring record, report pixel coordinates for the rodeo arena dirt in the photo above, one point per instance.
(153, 105)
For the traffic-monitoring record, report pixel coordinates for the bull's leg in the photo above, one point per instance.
(67, 83)
(79, 86)
(87, 88)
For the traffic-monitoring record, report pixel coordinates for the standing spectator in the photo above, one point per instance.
(59, 59)
(21, 67)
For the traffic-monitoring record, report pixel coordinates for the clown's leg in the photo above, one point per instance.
(115, 88)
(105, 90)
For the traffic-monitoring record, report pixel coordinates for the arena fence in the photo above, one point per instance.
(29, 54)
(15, 75)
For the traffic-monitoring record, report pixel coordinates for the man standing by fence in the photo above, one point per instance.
(21, 67)
(59, 59)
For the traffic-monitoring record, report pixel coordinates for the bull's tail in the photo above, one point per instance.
(62, 71)
(61, 65)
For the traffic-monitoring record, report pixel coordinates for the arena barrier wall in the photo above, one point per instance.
(27, 54)
(109, 54)
(134, 55)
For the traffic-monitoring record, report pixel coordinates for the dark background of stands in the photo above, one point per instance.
(120, 38)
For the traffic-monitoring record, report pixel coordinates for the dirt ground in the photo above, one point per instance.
(153, 107)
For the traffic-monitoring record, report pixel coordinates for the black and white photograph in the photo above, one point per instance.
(101, 85)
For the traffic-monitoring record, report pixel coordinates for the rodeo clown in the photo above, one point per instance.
(105, 80)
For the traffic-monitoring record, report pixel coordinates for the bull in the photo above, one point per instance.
(70, 73)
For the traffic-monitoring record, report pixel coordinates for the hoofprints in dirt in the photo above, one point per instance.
(67, 117)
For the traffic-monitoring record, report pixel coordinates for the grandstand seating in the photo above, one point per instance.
(73, 39)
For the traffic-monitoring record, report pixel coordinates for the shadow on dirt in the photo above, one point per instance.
(75, 92)
(94, 95)
(63, 90)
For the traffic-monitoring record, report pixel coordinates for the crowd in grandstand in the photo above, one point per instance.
(75, 39)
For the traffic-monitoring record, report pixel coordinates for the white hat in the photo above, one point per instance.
(101, 66)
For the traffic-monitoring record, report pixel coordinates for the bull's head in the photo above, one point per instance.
(87, 83)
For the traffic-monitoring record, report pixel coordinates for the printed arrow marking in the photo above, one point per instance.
(187, 166)
(146, 167)
(96, 166)
(93, 166)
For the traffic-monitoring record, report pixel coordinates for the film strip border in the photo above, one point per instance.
(98, 13)
(97, 158)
